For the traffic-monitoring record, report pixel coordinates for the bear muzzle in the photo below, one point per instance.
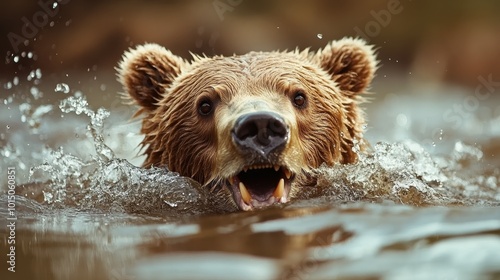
(260, 137)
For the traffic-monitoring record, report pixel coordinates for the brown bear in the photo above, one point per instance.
(252, 127)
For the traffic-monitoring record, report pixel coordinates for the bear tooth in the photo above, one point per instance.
(280, 189)
(245, 195)
(245, 168)
(276, 167)
(288, 173)
(231, 180)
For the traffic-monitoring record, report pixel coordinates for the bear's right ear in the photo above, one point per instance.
(146, 71)
(350, 62)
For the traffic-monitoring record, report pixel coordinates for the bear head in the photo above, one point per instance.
(251, 127)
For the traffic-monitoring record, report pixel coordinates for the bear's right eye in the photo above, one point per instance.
(205, 107)
(299, 99)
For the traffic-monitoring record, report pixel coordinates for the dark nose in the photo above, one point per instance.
(262, 132)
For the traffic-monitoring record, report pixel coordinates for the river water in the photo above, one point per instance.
(424, 203)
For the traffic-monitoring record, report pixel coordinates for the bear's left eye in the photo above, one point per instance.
(299, 99)
(205, 107)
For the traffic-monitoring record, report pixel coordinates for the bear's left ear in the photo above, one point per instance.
(350, 62)
(147, 71)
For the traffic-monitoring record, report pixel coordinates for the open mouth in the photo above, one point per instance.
(260, 185)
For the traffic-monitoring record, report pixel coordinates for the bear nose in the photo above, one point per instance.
(263, 132)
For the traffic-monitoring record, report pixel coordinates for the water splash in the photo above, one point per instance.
(62, 87)
(80, 105)
(33, 117)
(405, 173)
(108, 183)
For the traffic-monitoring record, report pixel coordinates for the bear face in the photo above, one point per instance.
(251, 127)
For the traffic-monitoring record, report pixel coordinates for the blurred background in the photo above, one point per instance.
(421, 41)
(423, 47)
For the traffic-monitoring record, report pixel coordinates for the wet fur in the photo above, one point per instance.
(168, 90)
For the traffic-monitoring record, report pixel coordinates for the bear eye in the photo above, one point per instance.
(205, 107)
(299, 99)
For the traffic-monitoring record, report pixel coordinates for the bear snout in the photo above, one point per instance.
(260, 134)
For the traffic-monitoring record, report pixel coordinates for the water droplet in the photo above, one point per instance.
(35, 92)
(31, 75)
(16, 59)
(8, 85)
(38, 73)
(15, 81)
(54, 5)
(402, 120)
(51, 24)
(7, 126)
(62, 87)
(30, 55)
(103, 87)
(320, 36)
(171, 204)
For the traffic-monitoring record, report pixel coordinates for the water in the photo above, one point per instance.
(423, 204)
